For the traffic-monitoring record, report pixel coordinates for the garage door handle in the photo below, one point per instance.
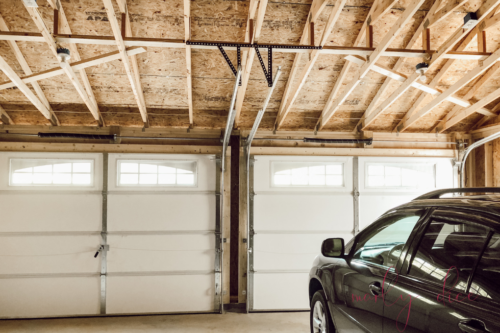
(375, 288)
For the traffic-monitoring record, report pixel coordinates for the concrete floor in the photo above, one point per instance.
(290, 322)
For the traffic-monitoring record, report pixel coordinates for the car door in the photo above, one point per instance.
(431, 293)
(374, 255)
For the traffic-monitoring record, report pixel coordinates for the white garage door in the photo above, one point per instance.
(160, 222)
(300, 201)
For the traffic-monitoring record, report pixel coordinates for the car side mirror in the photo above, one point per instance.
(333, 248)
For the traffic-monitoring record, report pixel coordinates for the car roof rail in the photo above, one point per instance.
(438, 193)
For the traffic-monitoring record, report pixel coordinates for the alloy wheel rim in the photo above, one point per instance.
(319, 318)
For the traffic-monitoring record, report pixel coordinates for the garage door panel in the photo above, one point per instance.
(135, 253)
(303, 212)
(50, 212)
(170, 293)
(49, 254)
(161, 212)
(289, 251)
(275, 291)
(51, 296)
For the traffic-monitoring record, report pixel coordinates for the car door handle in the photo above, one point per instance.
(375, 288)
(472, 326)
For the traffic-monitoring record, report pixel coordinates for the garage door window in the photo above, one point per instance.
(400, 175)
(156, 173)
(47, 172)
(285, 174)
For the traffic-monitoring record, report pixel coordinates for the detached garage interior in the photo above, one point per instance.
(177, 164)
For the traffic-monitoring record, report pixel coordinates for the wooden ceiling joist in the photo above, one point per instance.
(27, 70)
(5, 118)
(379, 8)
(77, 66)
(383, 45)
(128, 64)
(392, 74)
(12, 75)
(471, 75)
(457, 114)
(189, 79)
(252, 33)
(317, 8)
(483, 13)
(433, 17)
(63, 26)
(37, 19)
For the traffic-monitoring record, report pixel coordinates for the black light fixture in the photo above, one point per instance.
(63, 54)
(470, 21)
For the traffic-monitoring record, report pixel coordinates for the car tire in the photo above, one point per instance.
(320, 319)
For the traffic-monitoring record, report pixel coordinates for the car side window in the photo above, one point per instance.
(486, 280)
(382, 243)
(448, 251)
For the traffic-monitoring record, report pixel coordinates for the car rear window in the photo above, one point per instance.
(486, 281)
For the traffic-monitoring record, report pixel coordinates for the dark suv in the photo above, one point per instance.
(431, 265)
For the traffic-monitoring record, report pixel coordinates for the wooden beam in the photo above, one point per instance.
(383, 45)
(4, 117)
(50, 41)
(252, 33)
(189, 80)
(461, 102)
(128, 64)
(378, 8)
(471, 75)
(455, 112)
(429, 20)
(481, 41)
(63, 26)
(107, 57)
(290, 98)
(484, 12)
(462, 114)
(12, 75)
(27, 70)
(488, 164)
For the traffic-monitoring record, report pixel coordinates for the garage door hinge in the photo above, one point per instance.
(356, 193)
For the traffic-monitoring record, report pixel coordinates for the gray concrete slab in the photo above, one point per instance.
(290, 322)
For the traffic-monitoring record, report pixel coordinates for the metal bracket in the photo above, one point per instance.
(230, 64)
(100, 249)
(269, 72)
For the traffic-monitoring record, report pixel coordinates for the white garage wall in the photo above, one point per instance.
(162, 243)
(47, 244)
(290, 224)
(373, 202)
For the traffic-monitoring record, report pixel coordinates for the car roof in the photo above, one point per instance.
(482, 203)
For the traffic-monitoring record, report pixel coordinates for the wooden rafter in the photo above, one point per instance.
(4, 117)
(75, 54)
(288, 101)
(464, 113)
(252, 33)
(12, 75)
(316, 9)
(27, 70)
(94, 61)
(456, 114)
(471, 75)
(379, 8)
(130, 65)
(189, 79)
(483, 13)
(392, 74)
(433, 17)
(37, 19)
(383, 45)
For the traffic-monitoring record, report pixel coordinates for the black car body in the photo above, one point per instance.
(431, 265)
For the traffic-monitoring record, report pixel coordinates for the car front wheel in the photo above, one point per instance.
(320, 317)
